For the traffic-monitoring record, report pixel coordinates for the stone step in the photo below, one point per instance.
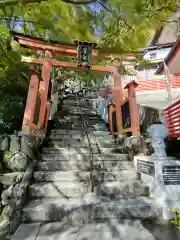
(79, 135)
(53, 157)
(63, 165)
(73, 107)
(69, 126)
(130, 208)
(73, 127)
(48, 209)
(67, 136)
(102, 128)
(57, 176)
(9, 178)
(73, 113)
(125, 230)
(100, 133)
(73, 143)
(106, 137)
(85, 113)
(81, 144)
(83, 164)
(72, 133)
(85, 157)
(73, 110)
(70, 102)
(78, 176)
(120, 161)
(71, 123)
(122, 175)
(70, 151)
(95, 117)
(103, 143)
(89, 118)
(126, 189)
(55, 132)
(85, 150)
(58, 189)
(74, 118)
(108, 150)
(83, 109)
(96, 121)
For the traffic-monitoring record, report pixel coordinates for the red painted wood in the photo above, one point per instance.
(157, 84)
(31, 101)
(133, 108)
(173, 121)
(61, 64)
(172, 115)
(176, 104)
(173, 136)
(56, 48)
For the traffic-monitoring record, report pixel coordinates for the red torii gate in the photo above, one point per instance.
(38, 105)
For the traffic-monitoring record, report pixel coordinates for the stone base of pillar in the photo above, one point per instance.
(161, 174)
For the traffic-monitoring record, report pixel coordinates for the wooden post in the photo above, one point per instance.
(31, 101)
(111, 109)
(46, 116)
(44, 87)
(117, 93)
(134, 113)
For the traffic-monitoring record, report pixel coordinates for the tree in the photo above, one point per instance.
(127, 24)
(116, 25)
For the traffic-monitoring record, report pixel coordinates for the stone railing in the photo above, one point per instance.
(18, 156)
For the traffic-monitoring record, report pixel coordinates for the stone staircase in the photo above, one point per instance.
(61, 202)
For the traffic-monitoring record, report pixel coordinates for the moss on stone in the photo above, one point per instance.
(17, 161)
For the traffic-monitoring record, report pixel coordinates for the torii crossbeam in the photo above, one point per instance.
(38, 105)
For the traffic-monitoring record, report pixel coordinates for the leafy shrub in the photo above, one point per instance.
(176, 220)
(11, 113)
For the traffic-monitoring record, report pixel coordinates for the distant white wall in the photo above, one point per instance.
(157, 54)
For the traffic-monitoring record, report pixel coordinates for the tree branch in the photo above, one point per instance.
(5, 53)
(170, 21)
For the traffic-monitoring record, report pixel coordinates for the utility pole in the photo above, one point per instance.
(168, 83)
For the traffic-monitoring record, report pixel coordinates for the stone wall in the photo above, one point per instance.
(18, 156)
(147, 116)
(132, 146)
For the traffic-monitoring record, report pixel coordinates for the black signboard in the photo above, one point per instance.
(84, 55)
(171, 175)
(126, 118)
(37, 110)
(146, 167)
(114, 122)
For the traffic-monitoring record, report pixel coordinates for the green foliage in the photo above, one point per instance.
(124, 25)
(11, 112)
(176, 220)
(129, 23)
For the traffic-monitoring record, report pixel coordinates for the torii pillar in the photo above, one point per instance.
(134, 113)
(44, 85)
(117, 93)
(31, 101)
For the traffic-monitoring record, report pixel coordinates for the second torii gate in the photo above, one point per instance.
(38, 100)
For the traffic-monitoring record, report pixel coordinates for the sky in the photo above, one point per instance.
(95, 7)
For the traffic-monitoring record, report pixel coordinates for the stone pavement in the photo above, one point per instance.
(112, 230)
(78, 194)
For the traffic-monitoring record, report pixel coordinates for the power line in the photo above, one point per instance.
(17, 19)
(79, 1)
